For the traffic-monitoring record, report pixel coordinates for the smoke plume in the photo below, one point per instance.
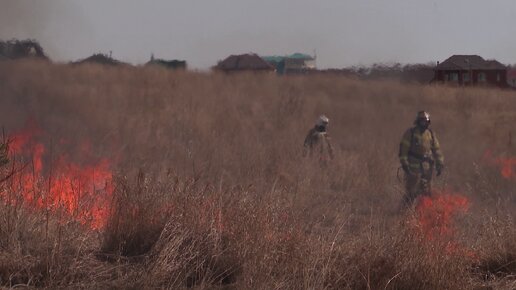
(23, 18)
(50, 22)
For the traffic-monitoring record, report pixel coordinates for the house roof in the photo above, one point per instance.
(175, 63)
(295, 61)
(248, 61)
(467, 62)
(274, 58)
(303, 56)
(279, 58)
(100, 58)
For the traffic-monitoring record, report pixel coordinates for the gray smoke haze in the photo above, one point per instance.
(52, 23)
(343, 32)
(22, 17)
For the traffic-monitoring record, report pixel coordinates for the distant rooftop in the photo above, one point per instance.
(100, 58)
(173, 64)
(279, 58)
(467, 62)
(248, 61)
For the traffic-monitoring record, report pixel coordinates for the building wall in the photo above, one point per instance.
(480, 77)
(497, 77)
(511, 77)
(512, 82)
(310, 64)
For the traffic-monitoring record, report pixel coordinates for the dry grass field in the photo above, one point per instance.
(146, 178)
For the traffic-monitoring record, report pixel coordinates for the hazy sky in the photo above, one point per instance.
(343, 32)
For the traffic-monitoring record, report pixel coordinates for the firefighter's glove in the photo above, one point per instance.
(439, 168)
(406, 168)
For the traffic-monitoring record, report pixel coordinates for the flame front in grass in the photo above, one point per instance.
(66, 189)
(507, 164)
(435, 214)
(83, 191)
(436, 222)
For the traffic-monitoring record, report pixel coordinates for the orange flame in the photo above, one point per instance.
(436, 213)
(435, 219)
(507, 164)
(62, 187)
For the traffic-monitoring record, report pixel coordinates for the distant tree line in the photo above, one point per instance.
(416, 73)
(16, 49)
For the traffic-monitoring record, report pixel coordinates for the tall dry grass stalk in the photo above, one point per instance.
(211, 189)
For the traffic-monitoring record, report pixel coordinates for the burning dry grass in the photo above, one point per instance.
(177, 180)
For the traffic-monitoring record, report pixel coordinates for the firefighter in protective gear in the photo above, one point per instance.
(317, 141)
(419, 154)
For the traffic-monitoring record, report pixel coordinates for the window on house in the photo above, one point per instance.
(453, 77)
(482, 77)
(498, 77)
(465, 77)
